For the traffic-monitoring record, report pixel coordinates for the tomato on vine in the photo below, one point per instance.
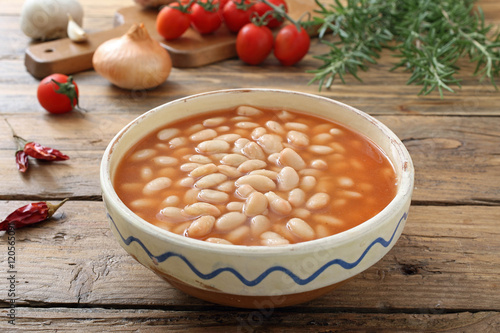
(205, 16)
(58, 93)
(291, 45)
(276, 19)
(237, 13)
(173, 20)
(254, 43)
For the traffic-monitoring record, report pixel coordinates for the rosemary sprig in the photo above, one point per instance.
(427, 36)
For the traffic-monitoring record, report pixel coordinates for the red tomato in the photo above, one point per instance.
(261, 8)
(58, 93)
(236, 13)
(204, 17)
(254, 43)
(172, 21)
(291, 45)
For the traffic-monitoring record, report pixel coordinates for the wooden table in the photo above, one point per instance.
(71, 274)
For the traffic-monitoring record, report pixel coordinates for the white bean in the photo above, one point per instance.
(191, 196)
(296, 126)
(203, 170)
(172, 214)
(288, 179)
(156, 185)
(163, 161)
(298, 139)
(320, 150)
(351, 194)
(245, 110)
(258, 182)
(270, 143)
(187, 167)
(273, 175)
(167, 134)
(211, 180)
(259, 224)
(318, 201)
(246, 124)
(142, 203)
(345, 181)
(202, 159)
(258, 132)
(277, 204)
(171, 201)
(142, 155)
(194, 128)
(275, 127)
(274, 159)
(255, 204)
(230, 138)
(203, 135)
(229, 171)
(146, 173)
(289, 157)
(235, 206)
(186, 182)
(307, 183)
(300, 228)
(336, 131)
(271, 238)
(213, 196)
(238, 234)
(177, 142)
(285, 116)
(222, 129)
(319, 164)
(216, 240)
(251, 165)
(201, 227)
(230, 221)
(301, 213)
(214, 122)
(233, 159)
(322, 138)
(227, 186)
(297, 197)
(327, 219)
(253, 151)
(244, 191)
(213, 146)
(201, 208)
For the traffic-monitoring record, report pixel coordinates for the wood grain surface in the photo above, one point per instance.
(441, 276)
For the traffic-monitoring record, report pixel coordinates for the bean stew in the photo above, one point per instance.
(249, 176)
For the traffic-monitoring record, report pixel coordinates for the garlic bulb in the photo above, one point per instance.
(133, 61)
(75, 32)
(47, 19)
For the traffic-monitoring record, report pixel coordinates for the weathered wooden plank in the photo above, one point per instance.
(125, 320)
(456, 158)
(445, 261)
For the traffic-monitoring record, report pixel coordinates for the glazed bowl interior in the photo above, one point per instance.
(258, 271)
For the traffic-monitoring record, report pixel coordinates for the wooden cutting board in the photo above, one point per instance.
(191, 50)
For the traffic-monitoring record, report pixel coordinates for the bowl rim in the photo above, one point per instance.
(397, 203)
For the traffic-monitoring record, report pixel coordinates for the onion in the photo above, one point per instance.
(133, 61)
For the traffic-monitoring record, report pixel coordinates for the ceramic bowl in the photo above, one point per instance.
(258, 276)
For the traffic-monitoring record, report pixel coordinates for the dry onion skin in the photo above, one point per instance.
(153, 3)
(133, 61)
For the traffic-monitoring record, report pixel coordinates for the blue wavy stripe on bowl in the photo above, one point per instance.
(250, 283)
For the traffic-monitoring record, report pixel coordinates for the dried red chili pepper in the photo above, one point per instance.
(21, 160)
(30, 214)
(40, 152)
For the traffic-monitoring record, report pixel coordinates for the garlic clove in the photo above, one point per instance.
(75, 32)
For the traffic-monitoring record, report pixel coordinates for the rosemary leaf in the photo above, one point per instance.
(428, 37)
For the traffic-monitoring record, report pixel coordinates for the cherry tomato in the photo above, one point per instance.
(254, 43)
(58, 93)
(205, 17)
(172, 21)
(236, 13)
(291, 45)
(261, 8)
